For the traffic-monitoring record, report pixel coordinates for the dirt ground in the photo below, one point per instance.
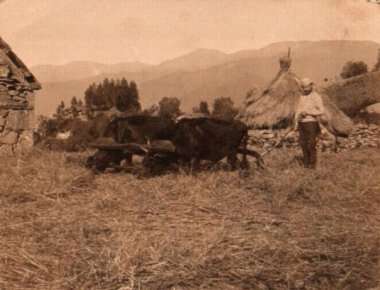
(62, 227)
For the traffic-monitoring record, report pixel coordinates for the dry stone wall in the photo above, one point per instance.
(362, 136)
(16, 112)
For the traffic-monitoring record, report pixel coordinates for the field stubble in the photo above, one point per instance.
(285, 227)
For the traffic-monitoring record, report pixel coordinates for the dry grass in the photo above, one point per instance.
(284, 228)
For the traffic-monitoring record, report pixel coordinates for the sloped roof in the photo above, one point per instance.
(18, 69)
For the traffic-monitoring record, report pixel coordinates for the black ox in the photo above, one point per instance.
(192, 140)
(131, 131)
(211, 139)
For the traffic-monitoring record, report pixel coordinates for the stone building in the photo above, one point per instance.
(17, 98)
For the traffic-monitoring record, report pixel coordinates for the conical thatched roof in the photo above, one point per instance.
(275, 106)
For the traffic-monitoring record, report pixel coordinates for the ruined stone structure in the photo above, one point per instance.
(17, 87)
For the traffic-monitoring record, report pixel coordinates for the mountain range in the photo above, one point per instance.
(203, 74)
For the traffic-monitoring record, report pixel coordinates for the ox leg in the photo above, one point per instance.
(195, 164)
(13, 148)
(232, 160)
(184, 163)
(128, 159)
(244, 163)
(336, 144)
(99, 161)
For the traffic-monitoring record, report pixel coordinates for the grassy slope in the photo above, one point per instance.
(285, 228)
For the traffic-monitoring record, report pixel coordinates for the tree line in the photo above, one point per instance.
(124, 97)
(87, 121)
(113, 93)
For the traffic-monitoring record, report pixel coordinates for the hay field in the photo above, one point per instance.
(284, 228)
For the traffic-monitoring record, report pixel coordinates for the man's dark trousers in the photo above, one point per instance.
(308, 137)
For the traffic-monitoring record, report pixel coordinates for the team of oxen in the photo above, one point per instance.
(165, 143)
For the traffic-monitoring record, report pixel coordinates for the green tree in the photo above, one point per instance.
(202, 108)
(74, 107)
(223, 108)
(89, 96)
(60, 111)
(169, 107)
(109, 93)
(134, 97)
(122, 95)
(353, 68)
(99, 99)
(74, 101)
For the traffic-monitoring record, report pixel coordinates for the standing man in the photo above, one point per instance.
(308, 117)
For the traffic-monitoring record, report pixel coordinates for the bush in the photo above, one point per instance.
(351, 69)
(377, 66)
(169, 107)
(202, 108)
(224, 108)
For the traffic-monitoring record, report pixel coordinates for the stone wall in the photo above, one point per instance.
(362, 136)
(16, 112)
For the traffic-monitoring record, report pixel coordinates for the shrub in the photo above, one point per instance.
(351, 69)
(169, 107)
(224, 108)
(202, 108)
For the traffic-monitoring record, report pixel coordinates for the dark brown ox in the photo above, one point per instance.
(136, 129)
(192, 139)
(197, 139)
(140, 129)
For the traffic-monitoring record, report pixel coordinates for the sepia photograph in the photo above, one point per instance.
(190, 144)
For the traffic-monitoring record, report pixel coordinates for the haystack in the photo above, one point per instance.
(274, 107)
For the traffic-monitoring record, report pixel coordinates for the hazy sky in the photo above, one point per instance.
(59, 31)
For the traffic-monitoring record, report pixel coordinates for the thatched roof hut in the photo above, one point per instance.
(274, 107)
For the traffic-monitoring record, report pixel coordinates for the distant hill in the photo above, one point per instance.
(194, 61)
(206, 74)
(81, 70)
(316, 60)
